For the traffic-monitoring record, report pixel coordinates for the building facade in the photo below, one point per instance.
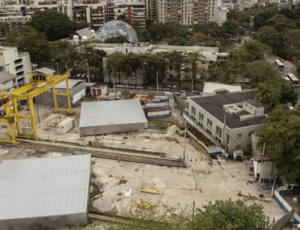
(186, 12)
(135, 13)
(229, 119)
(16, 63)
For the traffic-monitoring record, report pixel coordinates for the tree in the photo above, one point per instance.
(268, 94)
(288, 93)
(177, 59)
(261, 18)
(221, 215)
(260, 71)
(228, 214)
(211, 28)
(256, 49)
(194, 59)
(281, 135)
(271, 37)
(280, 23)
(116, 64)
(32, 41)
(230, 28)
(119, 39)
(53, 24)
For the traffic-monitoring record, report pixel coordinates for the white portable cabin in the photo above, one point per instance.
(65, 126)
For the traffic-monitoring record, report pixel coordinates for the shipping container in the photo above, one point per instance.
(65, 126)
(158, 114)
(156, 105)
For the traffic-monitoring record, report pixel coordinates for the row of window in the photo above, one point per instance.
(209, 123)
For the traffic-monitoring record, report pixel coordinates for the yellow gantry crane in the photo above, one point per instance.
(39, 83)
(9, 118)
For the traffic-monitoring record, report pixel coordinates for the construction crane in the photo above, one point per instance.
(39, 83)
(9, 118)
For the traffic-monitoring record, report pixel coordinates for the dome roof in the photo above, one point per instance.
(84, 38)
(75, 38)
(116, 28)
(92, 30)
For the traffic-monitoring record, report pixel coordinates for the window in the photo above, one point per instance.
(201, 116)
(193, 110)
(187, 106)
(239, 135)
(238, 147)
(218, 131)
(209, 122)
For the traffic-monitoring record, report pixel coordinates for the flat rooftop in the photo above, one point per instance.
(117, 112)
(44, 187)
(214, 105)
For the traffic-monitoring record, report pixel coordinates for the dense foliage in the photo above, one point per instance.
(281, 135)
(149, 65)
(53, 24)
(221, 215)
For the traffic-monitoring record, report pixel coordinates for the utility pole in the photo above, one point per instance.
(57, 70)
(114, 80)
(261, 168)
(88, 70)
(184, 141)
(157, 82)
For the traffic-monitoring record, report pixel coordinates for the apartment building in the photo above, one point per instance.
(135, 13)
(11, 18)
(90, 11)
(15, 63)
(228, 118)
(151, 13)
(186, 12)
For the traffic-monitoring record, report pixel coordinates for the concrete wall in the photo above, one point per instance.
(220, 16)
(253, 109)
(107, 129)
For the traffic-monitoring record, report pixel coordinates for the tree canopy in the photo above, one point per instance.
(53, 24)
(281, 135)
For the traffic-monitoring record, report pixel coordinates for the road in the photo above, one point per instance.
(288, 67)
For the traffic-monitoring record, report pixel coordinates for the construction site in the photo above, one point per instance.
(134, 151)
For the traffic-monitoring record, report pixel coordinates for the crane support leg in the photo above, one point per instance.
(17, 115)
(68, 96)
(33, 125)
(54, 99)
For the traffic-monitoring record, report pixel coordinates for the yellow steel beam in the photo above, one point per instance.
(61, 94)
(23, 93)
(24, 117)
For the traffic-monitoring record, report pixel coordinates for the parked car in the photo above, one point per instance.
(281, 59)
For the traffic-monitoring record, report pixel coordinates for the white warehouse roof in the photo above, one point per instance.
(44, 192)
(72, 83)
(111, 113)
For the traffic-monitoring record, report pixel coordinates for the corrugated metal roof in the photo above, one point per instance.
(72, 83)
(5, 76)
(41, 187)
(84, 32)
(111, 113)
